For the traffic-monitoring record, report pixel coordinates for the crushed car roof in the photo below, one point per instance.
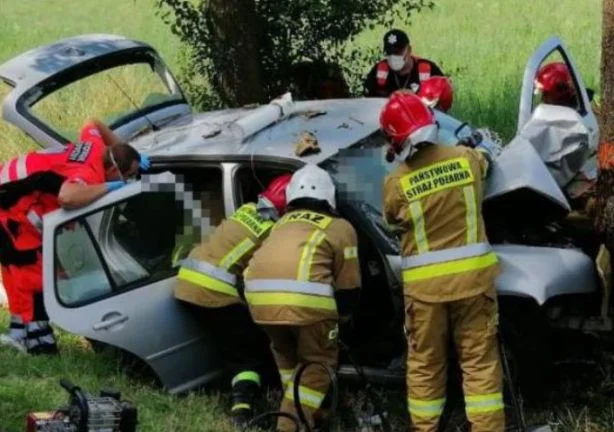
(336, 124)
(36, 65)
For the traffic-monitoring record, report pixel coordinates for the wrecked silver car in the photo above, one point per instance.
(109, 268)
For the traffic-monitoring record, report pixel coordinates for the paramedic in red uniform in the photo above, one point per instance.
(38, 183)
(400, 69)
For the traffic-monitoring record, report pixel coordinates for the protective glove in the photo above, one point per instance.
(145, 163)
(114, 185)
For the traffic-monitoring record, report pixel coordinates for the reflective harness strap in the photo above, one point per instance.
(288, 292)
(471, 214)
(382, 71)
(417, 217)
(424, 69)
(309, 250)
(35, 220)
(236, 253)
(19, 168)
(208, 276)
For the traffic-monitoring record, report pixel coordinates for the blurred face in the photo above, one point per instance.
(114, 174)
(398, 60)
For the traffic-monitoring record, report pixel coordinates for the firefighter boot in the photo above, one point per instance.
(245, 387)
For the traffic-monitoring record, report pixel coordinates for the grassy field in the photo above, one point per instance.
(482, 44)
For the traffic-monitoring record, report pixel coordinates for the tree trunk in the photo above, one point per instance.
(236, 29)
(604, 205)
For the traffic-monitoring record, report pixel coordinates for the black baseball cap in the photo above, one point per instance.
(394, 41)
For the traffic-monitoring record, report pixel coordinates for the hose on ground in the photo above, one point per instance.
(301, 420)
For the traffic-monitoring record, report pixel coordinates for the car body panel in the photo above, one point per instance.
(147, 321)
(344, 123)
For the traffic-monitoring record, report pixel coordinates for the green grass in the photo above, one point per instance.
(482, 44)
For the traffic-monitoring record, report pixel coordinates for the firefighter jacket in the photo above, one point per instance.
(292, 278)
(434, 200)
(209, 276)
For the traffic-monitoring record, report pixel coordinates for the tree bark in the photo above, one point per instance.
(604, 205)
(237, 33)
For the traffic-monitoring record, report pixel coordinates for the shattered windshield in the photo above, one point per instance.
(111, 95)
(359, 173)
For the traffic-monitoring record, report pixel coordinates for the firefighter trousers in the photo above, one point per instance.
(472, 324)
(294, 345)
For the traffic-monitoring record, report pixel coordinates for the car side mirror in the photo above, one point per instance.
(590, 93)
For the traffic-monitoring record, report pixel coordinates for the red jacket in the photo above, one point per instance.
(31, 183)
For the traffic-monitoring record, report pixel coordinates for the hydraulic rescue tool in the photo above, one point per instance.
(86, 413)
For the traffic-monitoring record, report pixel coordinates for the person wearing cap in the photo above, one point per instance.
(400, 69)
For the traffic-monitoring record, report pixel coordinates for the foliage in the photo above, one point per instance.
(289, 31)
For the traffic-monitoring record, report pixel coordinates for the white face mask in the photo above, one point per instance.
(396, 62)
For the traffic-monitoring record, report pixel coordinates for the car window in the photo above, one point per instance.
(251, 180)
(118, 92)
(137, 241)
(574, 103)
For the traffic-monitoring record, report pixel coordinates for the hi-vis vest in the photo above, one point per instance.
(434, 199)
(383, 70)
(292, 277)
(208, 277)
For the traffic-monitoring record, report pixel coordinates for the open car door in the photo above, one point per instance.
(56, 87)
(527, 102)
(108, 272)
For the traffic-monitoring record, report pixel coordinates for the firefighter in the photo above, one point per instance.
(400, 69)
(437, 92)
(433, 200)
(208, 278)
(301, 281)
(33, 185)
(555, 85)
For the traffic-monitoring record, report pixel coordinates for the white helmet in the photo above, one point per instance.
(311, 181)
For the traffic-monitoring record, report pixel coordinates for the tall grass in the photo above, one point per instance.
(483, 45)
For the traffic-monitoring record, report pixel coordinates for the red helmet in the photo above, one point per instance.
(437, 92)
(275, 193)
(554, 81)
(407, 121)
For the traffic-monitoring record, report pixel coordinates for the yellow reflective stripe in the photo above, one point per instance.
(350, 252)
(309, 250)
(471, 216)
(426, 408)
(290, 299)
(484, 403)
(435, 178)
(285, 376)
(236, 253)
(207, 282)
(449, 268)
(309, 397)
(246, 376)
(419, 231)
(240, 406)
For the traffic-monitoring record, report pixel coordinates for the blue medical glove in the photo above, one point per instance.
(145, 163)
(114, 185)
